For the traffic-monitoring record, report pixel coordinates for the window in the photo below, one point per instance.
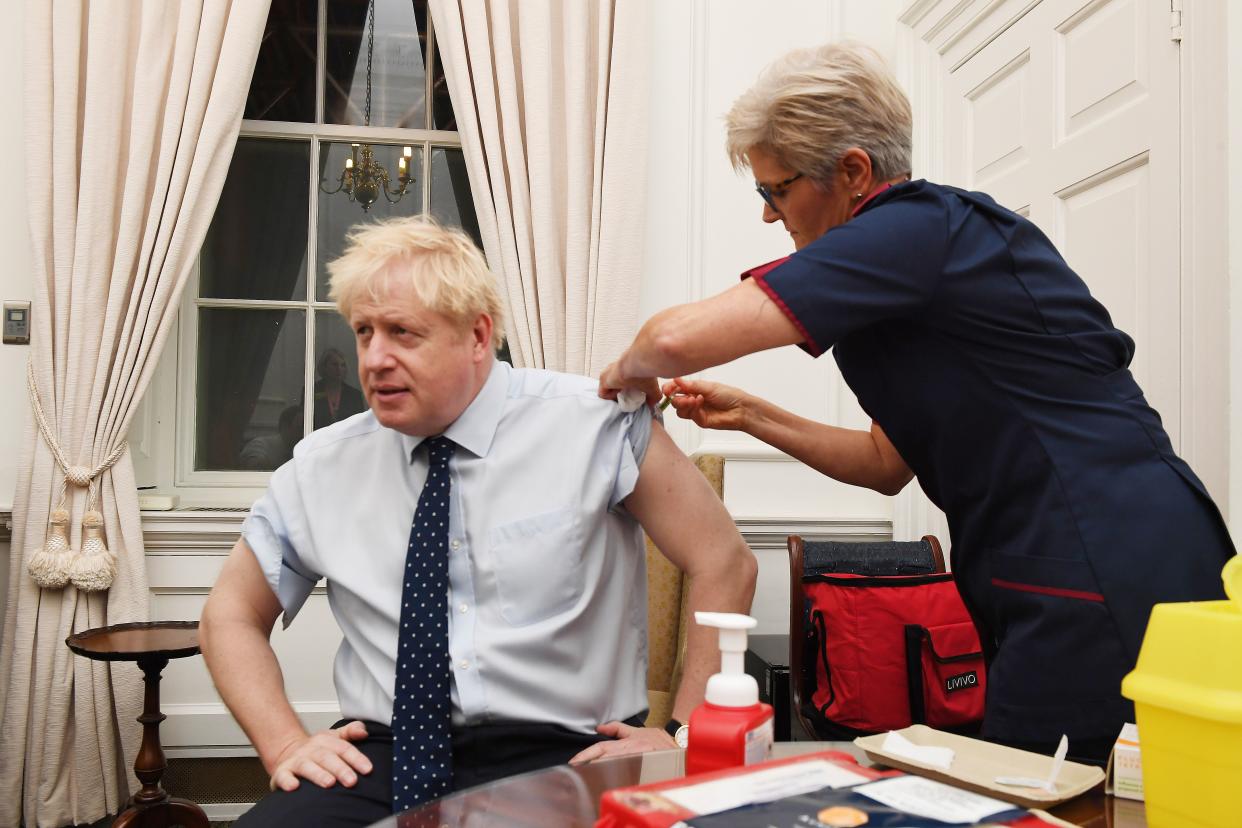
(264, 356)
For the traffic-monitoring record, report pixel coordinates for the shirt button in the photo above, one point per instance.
(463, 664)
(455, 544)
(463, 608)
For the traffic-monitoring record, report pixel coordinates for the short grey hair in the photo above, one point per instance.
(811, 105)
(443, 265)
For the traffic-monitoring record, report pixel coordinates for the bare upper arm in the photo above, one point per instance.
(679, 511)
(241, 593)
(896, 472)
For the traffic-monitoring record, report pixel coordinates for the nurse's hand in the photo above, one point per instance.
(709, 404)
(612, 383)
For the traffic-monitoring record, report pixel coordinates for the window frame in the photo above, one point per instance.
(160, 434)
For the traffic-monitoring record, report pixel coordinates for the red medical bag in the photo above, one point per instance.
(882, 652)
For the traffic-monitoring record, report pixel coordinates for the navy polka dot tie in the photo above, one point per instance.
(422, 753)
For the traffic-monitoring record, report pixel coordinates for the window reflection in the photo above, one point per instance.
(397, 85)
(451, 201)
(337, 395)
(250, 372)
(256, 245)
(283, 85)
(268, 452)
(441, 107)
(338, 215)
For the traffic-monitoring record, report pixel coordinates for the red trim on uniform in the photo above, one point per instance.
(870, 196)
(759, 280)
(763, 269)
(1043, 590)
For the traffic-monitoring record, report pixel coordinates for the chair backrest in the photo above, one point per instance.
(666, 614)
(881, 558)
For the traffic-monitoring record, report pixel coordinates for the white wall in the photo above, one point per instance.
(1234, 97)
(15, 279)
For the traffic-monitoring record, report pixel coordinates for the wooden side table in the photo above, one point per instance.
(151, 644)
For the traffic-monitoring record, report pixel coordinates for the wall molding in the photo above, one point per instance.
(188, 532)
(191, 532)
(198, 533)
(196, 730)
(771, 533)
(171, 531)
(739, 450)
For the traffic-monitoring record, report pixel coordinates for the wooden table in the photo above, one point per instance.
(565, 797)
(151, 644)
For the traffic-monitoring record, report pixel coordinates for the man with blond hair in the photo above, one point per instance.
(480, 532)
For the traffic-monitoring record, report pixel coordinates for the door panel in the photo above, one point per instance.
(1071, 117)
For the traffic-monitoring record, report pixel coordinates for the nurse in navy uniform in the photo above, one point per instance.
(990, 373)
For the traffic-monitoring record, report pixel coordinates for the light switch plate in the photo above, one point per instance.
(16, 323)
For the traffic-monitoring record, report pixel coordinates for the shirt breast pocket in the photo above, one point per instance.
(538, 565)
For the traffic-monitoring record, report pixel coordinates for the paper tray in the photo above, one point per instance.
(976, 764)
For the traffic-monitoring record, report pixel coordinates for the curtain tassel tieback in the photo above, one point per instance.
(50, 566)
(56, 564)
(94, 567)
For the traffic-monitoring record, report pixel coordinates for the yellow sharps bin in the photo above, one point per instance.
(1187, 692)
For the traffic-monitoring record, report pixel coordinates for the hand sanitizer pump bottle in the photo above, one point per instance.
(731, 727)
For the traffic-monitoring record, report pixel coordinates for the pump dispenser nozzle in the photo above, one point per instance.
(732, 727)
(731, 687)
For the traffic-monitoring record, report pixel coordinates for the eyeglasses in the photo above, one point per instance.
(770, 194)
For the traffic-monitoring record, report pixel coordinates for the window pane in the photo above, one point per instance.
(250, 375)
(283, 86)
(451, 201)
(337, 395)
(337, 213)
(441, 106)
(396, 80)
(256, 245)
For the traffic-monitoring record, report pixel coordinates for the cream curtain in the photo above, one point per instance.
(551, 103)
(132, 113)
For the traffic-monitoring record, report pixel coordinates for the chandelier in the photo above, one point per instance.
(364, 178)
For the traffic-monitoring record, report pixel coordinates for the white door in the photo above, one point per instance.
(1071, 116)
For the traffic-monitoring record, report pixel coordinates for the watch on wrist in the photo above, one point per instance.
(680, 732)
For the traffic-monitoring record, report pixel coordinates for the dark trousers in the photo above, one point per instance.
(481, 753)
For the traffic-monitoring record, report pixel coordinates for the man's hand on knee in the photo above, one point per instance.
(624, 739)
(325, 758)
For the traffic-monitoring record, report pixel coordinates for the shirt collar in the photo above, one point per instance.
(475, 428)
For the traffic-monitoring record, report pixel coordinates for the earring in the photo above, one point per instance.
(858, 196)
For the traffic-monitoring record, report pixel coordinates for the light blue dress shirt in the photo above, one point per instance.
(547, 591)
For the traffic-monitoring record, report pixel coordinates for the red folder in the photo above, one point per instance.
(642, 806)
(646, 806)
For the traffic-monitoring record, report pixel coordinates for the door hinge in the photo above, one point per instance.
(1175, 21)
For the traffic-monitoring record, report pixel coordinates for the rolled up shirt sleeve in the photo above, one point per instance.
(634, 436)
(272, 530)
